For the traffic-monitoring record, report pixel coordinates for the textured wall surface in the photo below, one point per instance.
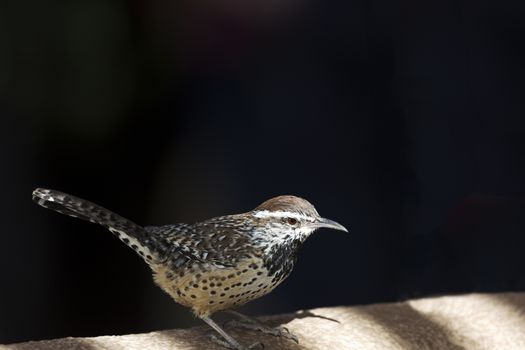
(468, 322)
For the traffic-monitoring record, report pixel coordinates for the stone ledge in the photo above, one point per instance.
(465, 322)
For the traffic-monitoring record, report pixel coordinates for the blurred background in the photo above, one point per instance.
(402, 120)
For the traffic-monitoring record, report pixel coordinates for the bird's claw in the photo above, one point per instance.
(219, 341)
(280, 331)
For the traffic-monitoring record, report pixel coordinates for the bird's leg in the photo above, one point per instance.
(228, 341)
(253, 324)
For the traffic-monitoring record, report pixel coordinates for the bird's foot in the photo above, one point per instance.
(261, 327)
(219, 341)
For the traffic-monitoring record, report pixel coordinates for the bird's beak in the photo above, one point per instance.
(327, 223)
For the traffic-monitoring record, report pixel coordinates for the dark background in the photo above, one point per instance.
(403, 120)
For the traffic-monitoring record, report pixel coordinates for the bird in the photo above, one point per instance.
(217, 264)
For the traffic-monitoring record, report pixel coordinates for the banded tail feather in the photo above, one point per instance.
(133, 235)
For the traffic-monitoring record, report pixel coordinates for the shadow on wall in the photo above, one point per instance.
(411, 329)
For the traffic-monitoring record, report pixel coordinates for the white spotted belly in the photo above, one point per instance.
(207, 289)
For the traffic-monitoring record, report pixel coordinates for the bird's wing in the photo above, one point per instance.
(204, 242)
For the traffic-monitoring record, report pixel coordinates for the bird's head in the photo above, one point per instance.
(291, 218)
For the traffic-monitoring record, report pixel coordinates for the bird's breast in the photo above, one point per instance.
(206, 288)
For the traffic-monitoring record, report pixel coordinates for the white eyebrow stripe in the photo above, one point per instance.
(281, 214)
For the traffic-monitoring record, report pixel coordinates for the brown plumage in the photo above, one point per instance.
(285, 203)
(216, 264)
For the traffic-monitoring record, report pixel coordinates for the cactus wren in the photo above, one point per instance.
(216, 264)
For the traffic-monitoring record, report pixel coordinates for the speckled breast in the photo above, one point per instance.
(207, 289)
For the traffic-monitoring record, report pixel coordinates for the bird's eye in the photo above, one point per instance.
(292, 221)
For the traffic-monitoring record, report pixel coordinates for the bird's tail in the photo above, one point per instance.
(131, 234)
